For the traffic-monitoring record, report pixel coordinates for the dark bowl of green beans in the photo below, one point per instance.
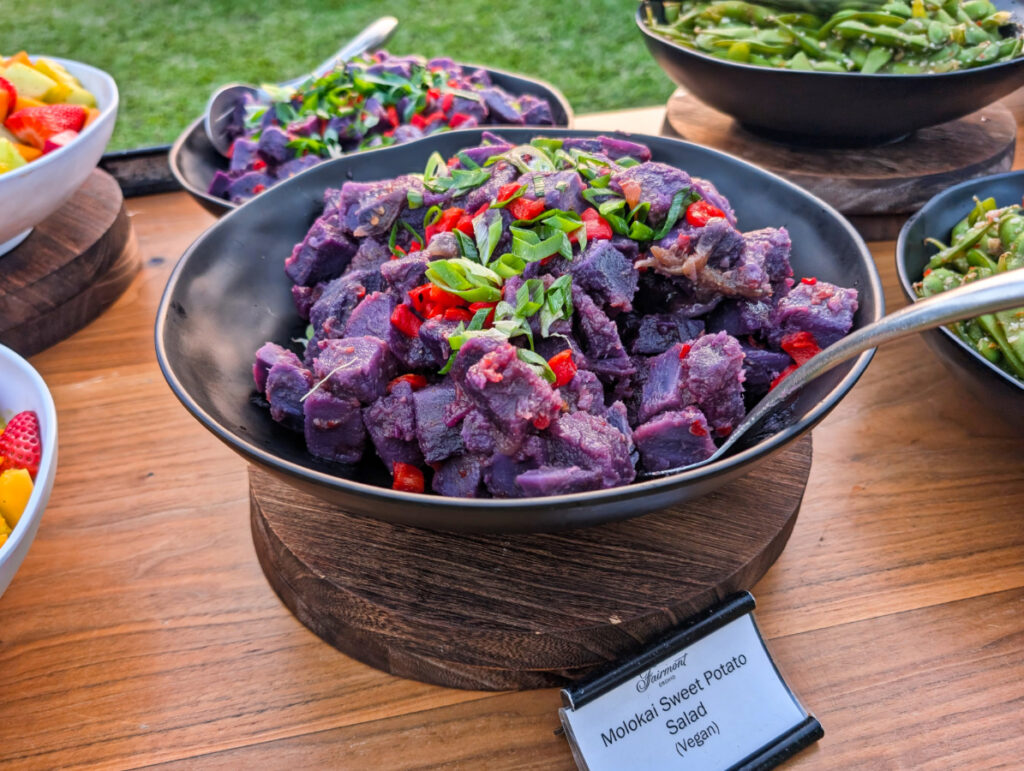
(854, 77)
(964, 234)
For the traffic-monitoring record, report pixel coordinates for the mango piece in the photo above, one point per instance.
(91, 114)
(56, 71)
(21, 56)
(10, 159)
(27, 80)
(24, 101)
(15, 489)
(5, 530)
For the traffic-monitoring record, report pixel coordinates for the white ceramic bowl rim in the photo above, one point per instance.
(105, 110)
(49, 440)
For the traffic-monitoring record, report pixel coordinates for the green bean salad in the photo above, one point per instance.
(901, 38)
(987, 241)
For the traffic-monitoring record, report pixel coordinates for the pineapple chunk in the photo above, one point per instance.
(10, 159)
(29, 82)
(15, 489)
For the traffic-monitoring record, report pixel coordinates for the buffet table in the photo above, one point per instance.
(140, 629)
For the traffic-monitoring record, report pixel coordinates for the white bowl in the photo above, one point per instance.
(21, 388)
(33, 192)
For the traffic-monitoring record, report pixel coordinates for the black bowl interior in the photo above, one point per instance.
(229, 294)
(194, 161)
(993, 387)
(833, 108)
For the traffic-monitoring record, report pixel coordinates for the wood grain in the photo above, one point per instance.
(69, 270)
(518, 611)
(141, 630)
(897, 178)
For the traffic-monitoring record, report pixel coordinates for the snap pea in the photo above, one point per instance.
(876, 58)
(881, 35)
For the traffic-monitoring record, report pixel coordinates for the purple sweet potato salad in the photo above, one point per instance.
(374, 100)
(537, 319)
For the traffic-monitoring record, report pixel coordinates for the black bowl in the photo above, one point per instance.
(995, 388)
(832, 108)
(229, 294)
(194, 161)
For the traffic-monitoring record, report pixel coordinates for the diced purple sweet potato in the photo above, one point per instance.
(437, 439)
(707, 191)
(673, 439)
(372, 317)
(246, 186)
(656, 332)
(434, 335)
(459, 477)
(741, 317)
(501, 106)
(502, 469)
(391, 423)
(555, 480)
(584, 393)
(607, 275)
(358, 367)
(322, 255)
(286, 385)
(823, 309)
(404, 274)
(410, 352)
(657, 183)
(297, 166)
(761, 366)
(559, 189)
(333, 427)
(243, 154)
(591, 442)
(613, 147)
(599, 339)
(370, 208)
(507, 391)
(338, 298)
(267, 356)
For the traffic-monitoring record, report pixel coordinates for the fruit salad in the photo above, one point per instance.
(20, 452)
(43, 107)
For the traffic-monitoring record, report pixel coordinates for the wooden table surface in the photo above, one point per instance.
(141, 631)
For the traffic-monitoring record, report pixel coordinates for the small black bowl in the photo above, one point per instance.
(229, 294)
(194, 161)
(836, 109)
(993, 387)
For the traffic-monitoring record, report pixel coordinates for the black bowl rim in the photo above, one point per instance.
(173, 157)
(607, 495)
(881, 76)
(907, 284)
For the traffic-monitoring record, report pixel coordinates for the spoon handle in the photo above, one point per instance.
(997, 293)
(374, 36)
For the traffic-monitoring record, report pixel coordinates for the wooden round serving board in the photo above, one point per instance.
(517, 611)
(72, 266)
(877, 188)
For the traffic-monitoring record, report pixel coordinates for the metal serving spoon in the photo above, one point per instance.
(998, 293)
(226, 99)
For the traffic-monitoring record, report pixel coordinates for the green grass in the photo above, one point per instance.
(168, 56)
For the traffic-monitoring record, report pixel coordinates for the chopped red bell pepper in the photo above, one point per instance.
(699, 212)
(458, 119)
(782, 376)
(393, 116)
(465, 223)
(524, 208)
(407, 478)
(434, 116)
(418, 121)
(257, 189)
(259, 164)
(458, 314)
(505, 192)
(405, 320)
(684, 351)
(801, 346)
(474, 307)
(697, 429)
(415, 246)
(809, 280)
(419, 297)
(563, 366)
(433, 93)
(446, 101)
(445, 299)
(598, 228)
(541, 422)
(416, 381)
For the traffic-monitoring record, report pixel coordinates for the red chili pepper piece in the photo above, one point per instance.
(457, 314)
(810, 281)
(782, 376)
(256, 189)
(407, 478)
(434, 116)
(801, 346)
(259, 164)
(563, 366)
(360, 291)
(416, 381)
(458, 119)
(699, 212)
(446, 102)
(393, 115)
(465, 225)
(445, 299)
(403, 319)
(524, 208)
(433, 93)
(418, 121)
(541, 422)
(698, 430)
(684, 350)
(231, 150)
(415, 246)
(474, 307)
(505, 192)
(449, 219)
(418, 297)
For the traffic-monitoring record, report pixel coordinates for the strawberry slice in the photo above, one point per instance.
(19, 443)
(8, 98)
(34, 125)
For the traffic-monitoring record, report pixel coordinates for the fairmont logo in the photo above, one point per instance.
(654, 675)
